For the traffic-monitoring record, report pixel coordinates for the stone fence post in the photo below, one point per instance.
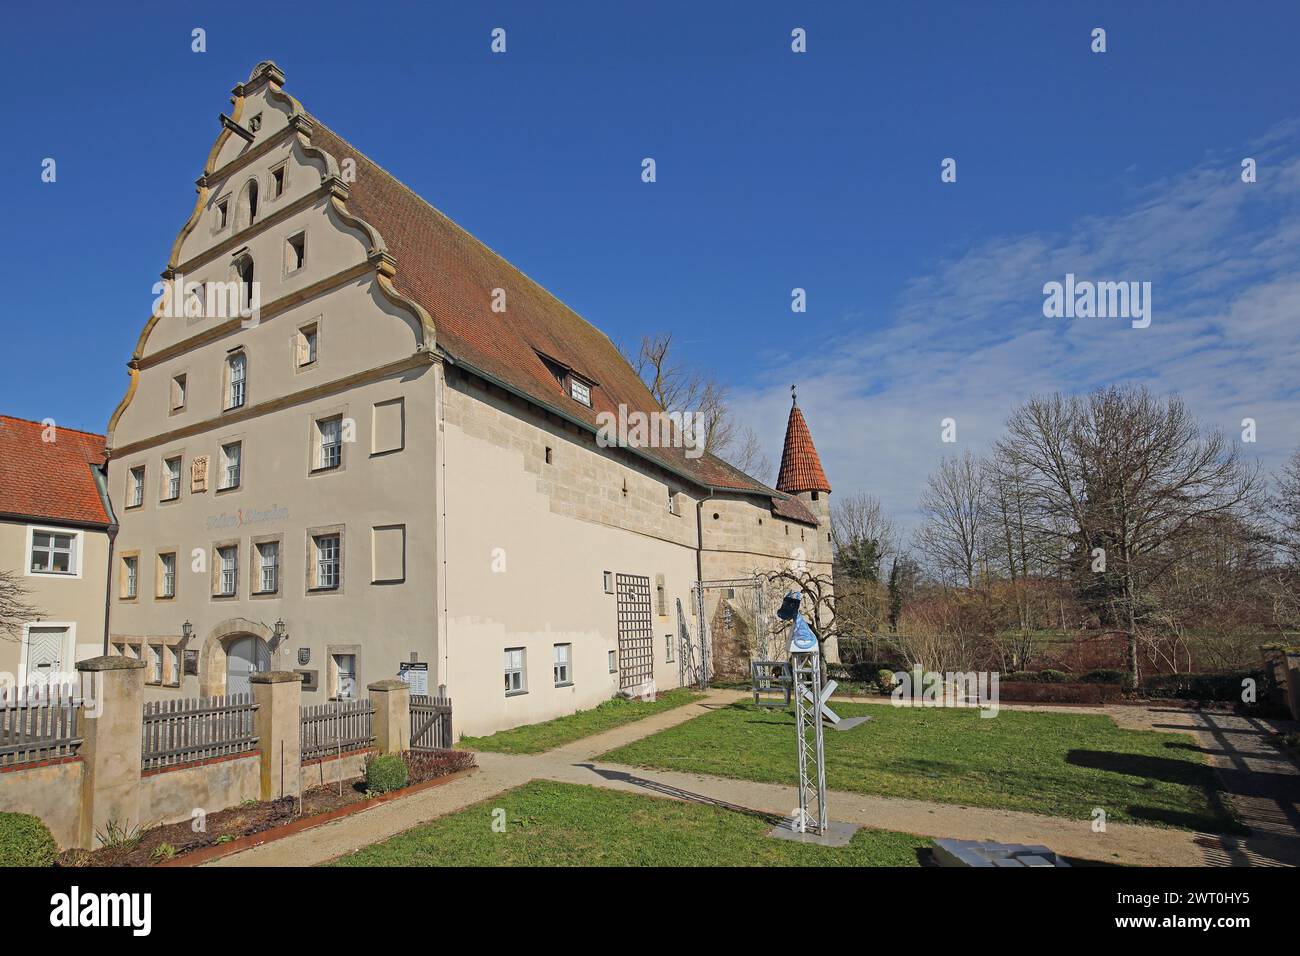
(112, 743)
(278, 725)
(392, 700)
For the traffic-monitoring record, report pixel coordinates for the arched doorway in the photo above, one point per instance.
(246, 654)
(233, 650)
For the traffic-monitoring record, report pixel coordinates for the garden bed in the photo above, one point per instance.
(255, 822)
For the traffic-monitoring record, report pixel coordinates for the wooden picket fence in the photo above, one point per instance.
(39, 723)
(430, 722)
(337, 727)
(197, 728)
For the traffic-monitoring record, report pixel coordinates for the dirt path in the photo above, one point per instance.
(1262, 783)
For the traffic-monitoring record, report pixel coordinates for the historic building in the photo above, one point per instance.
(355, 438)
(55, 540)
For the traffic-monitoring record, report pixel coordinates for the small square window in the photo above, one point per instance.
(613, 662)
(607, 581)
(516, 677)
(580, 391)
(53, 553)
(178, 392)
(548, 455)
(668, 648)
(563, 668)
(223, 213)
(277, 182)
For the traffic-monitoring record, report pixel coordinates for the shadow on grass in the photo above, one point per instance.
(677, 793)
(1220, 817)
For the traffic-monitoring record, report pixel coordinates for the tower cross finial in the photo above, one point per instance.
(794, 399)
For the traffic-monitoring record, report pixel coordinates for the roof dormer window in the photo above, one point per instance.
(580, 391)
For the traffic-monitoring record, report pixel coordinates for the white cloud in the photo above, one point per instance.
(969, 341)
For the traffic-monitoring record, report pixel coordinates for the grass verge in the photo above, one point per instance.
(536, 738)
(1058, 764)
(563, 824)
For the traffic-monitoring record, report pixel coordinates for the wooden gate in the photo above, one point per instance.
(635, 632)
(430, 722)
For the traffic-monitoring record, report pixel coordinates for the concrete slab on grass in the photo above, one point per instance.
(848, 723)
(837, 834)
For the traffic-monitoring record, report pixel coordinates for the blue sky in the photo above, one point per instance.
(775, 170)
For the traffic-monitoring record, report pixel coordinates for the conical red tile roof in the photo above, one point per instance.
(801, 469)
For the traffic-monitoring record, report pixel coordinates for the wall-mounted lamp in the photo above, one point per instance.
(279, 634)
(187, 631)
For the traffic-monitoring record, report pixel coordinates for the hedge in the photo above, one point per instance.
(25, 841)
(385, 772)
(1218, 687)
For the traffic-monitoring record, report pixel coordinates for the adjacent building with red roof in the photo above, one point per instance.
(55, 521)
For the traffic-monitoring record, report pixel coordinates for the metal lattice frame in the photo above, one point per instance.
(635, 632)
(806, 672)
(762, 627)
(689, 671)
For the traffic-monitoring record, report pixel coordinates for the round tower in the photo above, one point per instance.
(801, 472)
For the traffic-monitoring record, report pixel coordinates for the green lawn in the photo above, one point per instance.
(564, 824)
(1060, 764)
(534, 738)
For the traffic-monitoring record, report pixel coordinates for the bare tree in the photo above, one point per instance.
(1129, 477)
(955, 531)
(679, 388)
(859, 518)
(1286, 506)
(15, 611)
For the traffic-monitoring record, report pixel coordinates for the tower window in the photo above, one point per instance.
(252, 200)
(277, 183)
(223, 213)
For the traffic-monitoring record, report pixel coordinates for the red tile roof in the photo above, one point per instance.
(452, 276)
(56, 480)
(801, 469)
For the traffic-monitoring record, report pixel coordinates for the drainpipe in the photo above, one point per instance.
(108, 581)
